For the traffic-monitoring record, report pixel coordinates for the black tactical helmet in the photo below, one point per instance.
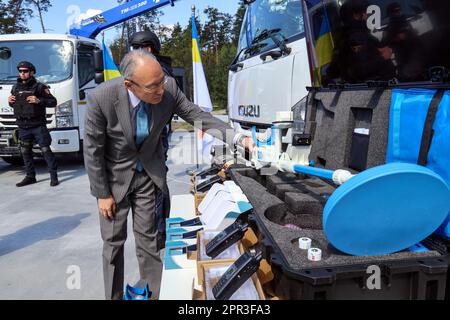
(146, 39)
(26, 64)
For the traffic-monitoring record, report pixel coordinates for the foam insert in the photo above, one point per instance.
(334, 115)
(299, 210)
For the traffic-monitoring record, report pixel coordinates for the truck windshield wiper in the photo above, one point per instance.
(8, 79)
(264, 34)
(276, 37)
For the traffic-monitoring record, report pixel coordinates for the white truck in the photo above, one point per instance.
(268, 78)
(70, 65)
(66, 64)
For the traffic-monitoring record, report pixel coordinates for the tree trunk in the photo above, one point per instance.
(216, 49)
(122, 38)
(38, 6)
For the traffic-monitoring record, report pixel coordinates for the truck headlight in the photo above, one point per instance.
(299, 115)
(64, 122)
(64, 109)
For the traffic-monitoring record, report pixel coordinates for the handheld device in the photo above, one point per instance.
(226, 238)
(237, 275)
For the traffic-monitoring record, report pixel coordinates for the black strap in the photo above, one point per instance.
(428, 131)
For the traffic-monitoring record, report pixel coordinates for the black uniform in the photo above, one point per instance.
(32, 123)
(166, 66)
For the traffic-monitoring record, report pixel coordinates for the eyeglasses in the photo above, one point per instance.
(142, 46)
(24, 71)
(138, 47)
(153, 88)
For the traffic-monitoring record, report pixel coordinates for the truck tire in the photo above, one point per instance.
(15, 161)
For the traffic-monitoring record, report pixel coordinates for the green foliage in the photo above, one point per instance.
(14, 14)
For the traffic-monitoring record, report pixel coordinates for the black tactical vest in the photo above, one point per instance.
(23, 109)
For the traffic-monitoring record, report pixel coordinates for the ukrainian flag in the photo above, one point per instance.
(110, 69)
(201, 92)
(201, 96)
(324, 43)
(323, 40)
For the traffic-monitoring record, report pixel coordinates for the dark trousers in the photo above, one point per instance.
(141, 199)
(41, 136)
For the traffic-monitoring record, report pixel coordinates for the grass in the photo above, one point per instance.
(182, 126)
(221, 112)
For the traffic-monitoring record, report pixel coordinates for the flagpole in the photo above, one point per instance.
(195, 129)
(192, 172)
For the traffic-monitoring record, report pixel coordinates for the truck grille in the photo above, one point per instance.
(249, 126)
(8, 121)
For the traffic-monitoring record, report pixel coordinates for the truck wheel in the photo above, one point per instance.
(15, 161)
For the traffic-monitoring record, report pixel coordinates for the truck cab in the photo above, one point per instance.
(67, 65)
(268, 78)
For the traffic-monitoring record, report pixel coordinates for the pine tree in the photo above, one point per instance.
(14, 14)
(237, 23)
(13, 17)
(41, 6)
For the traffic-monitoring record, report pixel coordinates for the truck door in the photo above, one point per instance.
(86, 82)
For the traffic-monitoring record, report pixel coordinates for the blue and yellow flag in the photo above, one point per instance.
(201, 92)
(324, 43)
(323, 39)
(110, 69)
(201, 95)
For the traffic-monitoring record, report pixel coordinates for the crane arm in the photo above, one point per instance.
(91, 27)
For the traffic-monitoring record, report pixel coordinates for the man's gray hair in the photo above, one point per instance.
(129, 62)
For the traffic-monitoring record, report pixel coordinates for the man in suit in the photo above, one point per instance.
(124, 159)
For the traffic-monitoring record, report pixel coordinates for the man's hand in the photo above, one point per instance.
(385, 52)
(107, 207)
(33, 100)
(11, 99)
(248, 143)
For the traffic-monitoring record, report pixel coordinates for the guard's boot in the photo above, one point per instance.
(26, 181)
(54, 180)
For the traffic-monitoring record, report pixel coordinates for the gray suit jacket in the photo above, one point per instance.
(110, 153)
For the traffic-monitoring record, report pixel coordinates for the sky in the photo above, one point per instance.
(62, 11)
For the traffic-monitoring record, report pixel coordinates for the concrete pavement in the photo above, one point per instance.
(49, 236)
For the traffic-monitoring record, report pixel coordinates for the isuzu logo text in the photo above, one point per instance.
(249, 111)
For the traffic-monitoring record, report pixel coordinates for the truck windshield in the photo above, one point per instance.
(266, 19)
(361, 41)
(53, 59)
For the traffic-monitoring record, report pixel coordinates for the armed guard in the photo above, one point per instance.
(29, 99)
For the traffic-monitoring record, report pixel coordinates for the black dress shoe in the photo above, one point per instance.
(26, 181)
(54, 181)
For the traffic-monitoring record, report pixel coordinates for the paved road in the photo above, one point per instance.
(46, 233)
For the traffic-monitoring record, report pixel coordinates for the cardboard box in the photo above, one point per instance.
(248, 241)
(261, 277)
(198, 198)
(197, 295)
(200, 262)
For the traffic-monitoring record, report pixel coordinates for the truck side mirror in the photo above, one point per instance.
(98, 61)
(99, 77)
(82, 95)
